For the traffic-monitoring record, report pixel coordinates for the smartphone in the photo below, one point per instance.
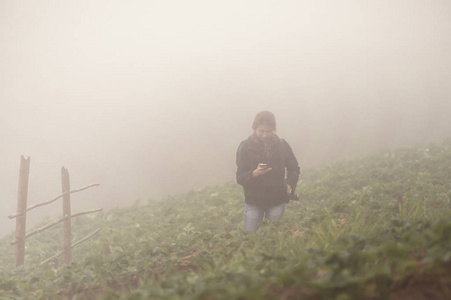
(264, 166)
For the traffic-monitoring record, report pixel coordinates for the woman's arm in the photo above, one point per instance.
(244, 171)
(292, 165)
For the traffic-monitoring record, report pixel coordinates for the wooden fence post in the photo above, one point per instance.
(65, 184)
(21, 220)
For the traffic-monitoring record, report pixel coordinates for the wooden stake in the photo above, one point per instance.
(65, 184)
(22, 196)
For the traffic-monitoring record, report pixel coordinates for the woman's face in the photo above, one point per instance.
(264, 132)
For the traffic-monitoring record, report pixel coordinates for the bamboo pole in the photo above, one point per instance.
(67, 235)
(22, 195)
(75, 244)
(53, 223)
(54, 199)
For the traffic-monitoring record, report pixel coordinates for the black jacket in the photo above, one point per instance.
(270, 189)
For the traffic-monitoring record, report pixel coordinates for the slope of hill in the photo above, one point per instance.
(368, 228)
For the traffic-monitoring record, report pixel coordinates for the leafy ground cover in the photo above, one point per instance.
(377, 227)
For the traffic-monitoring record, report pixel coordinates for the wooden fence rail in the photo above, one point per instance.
(74, 245)
(22, 210)
(57, 221)
(53, 199)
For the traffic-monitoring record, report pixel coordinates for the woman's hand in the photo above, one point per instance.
(262, 169)
(288, 189)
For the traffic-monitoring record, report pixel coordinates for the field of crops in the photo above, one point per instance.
(377, 227)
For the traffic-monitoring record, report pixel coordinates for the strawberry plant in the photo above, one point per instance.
(363, 229)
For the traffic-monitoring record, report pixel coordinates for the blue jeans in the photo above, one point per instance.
(254, 214)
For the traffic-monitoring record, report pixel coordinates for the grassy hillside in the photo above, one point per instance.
(371, 228)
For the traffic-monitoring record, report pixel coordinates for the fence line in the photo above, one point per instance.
(22, 209)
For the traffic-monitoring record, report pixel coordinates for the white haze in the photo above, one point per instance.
(151, 98)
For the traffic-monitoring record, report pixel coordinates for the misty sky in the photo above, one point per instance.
(150, 98)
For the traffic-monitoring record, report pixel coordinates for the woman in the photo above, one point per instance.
(261, 161)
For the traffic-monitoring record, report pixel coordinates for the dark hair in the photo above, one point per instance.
(264, 118)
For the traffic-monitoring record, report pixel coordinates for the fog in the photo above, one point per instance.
(151, 98)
